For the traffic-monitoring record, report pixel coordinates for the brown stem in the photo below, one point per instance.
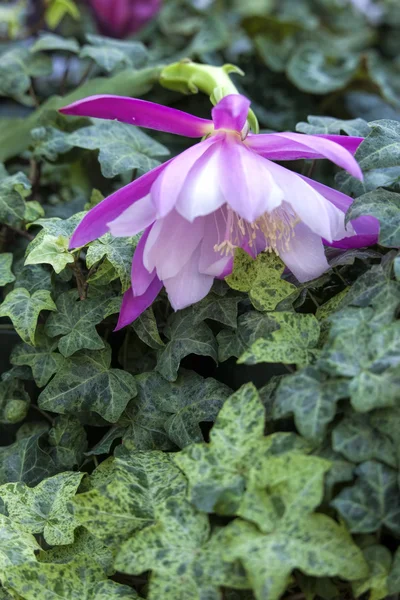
(86, 73)
(80, 279)
(34, 176)
(64, 79)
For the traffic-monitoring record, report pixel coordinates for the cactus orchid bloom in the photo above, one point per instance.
(220, 194)
(121, 18)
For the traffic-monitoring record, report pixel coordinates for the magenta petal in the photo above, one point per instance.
(212, 262)
(94, 224)
(134, 219)
(140, 276)
(133, 306)
(141, 113)
(231, 112)
(351, 143)
(305, 256)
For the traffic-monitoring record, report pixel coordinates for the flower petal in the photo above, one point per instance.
(166, 189)
(94, 224)
(305, 256)
(350, 142)
(140, 276)
(212, 262)
(133, 306)
(292, 146)
(134, 219)
(231, 112)
(188, 286)
(171, 243)
(246, 181)
(320, 215)
(141, 113)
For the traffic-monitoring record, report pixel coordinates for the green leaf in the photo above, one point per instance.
(122, 147)
(43, 509)
(14, 401)
(55, 227)
(328, 125)
(174, 410)
(145, 327)
(86, 382)
(6, 275)
(250, 327)
(13, 190)
(294, 342)
(379, 561)
(16, 546)
(217, 472)
(262, 278)
(373, 501)
(17, 66)
(110, 54)
(51, 250)
(185, 563)
(42, 358)
(185, 337)
(129, 495)
(75, 321)
(23, 309)
(67, 441)
(393, 581)
(58, 9)
(383, 205)
(33, 210)
(34, 278)
(222, 309)
(311, 398)
(79, 580)
(119, 253)
(25, 461)
(51, 41)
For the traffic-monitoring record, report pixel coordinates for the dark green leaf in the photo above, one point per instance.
(67, 440)
(110, 54)
(383, 205)
(14, 401)
(6, 275)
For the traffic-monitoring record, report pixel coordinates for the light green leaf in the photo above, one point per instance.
(43, 509)
(86, 382)
(6, 275)
(58, 9)
(262, 278)
(33, 210)
(16, 546)
(119, 253)
(379, 561)
(383, 205)
(23, 309)
(51, 250)
(14, 401)
(55, 227)
(13, 191)
(110, 54)
(122, 147)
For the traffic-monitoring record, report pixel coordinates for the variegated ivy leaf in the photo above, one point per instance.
(394, 575)
(222, 309)
(14, 401)
(251, 326)
(13, 191)
(146, 329)
(185, 560)
(27, 459)
(43, 509)
(110, 54)
(68, 442)
(17, 67)
(6, 275)
(51, 41)
(51, 250)
(383, 205)
(379, 560)
(23, 309)
(329, 125)
(16, 546)
(55, 227)
(119, 253)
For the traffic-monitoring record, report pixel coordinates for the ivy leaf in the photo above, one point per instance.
(6, 275)
(14, 401)
(51, 41)
(373, 501)
(329, 125)
(174, 410)
(42, 358)
(312, 398)
(67, 441)
(262, 278)
(43, 509)
(294, 342)
(16, 546)
(86, 382)
(17, 66)
(250, 327)
(110, 53)
(75, 321)
(119, 253)
(58, 9)
(186, 338)
(128, 496)
(222, 309)
(122, 147)
(393, 581)
(23, 309)
(379, 561)
(51, 250)
(185, 563)
(55, 227)
(25, 461)
(145, 327)
(13, 191)
(383, 205)
(48, 143)
(33, 210)
(34, 278)
(217, 472)
(79, 580)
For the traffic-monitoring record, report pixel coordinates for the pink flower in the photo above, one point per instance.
(220, 194)
(120, 18)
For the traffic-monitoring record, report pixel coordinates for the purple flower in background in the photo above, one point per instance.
(220, 194)
(121, 18)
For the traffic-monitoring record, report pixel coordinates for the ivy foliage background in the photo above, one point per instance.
(246, 447)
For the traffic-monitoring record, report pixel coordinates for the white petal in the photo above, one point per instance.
(134, 219)
(306, 256)
(188, 286)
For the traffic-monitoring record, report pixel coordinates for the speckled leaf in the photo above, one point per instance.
(110, 54)
(25, 460)
(24, 309)
(122, 147)
(129, 496)
(218, 471)
(6, 275)
(331, 126)
(51, 250)
(185, 338)
(145, 327)
(373, 501)
(250, 327)
(34, 278)
(312, 399)
(17, 66)
(185, 563)
(14, 401)
(119, 253)
(13, 190)
(379, 561)
(16, 546)
(222, 309)
(43, 509)
(393, 581)
(67, 440)
(87, 383)
(383, 205)
(42, 358)
(55, 227)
